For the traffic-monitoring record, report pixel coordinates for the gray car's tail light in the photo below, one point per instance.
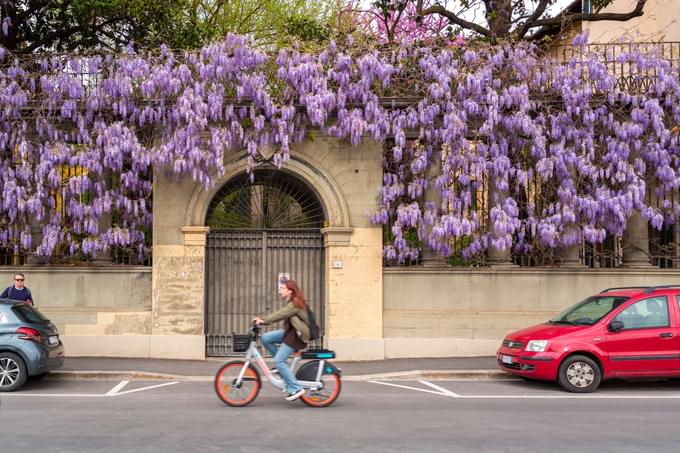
(26, 333)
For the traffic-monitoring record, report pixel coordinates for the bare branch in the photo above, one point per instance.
(557, 20)
(540, 9)
(21, 17)
(438, 9)
(49, 38)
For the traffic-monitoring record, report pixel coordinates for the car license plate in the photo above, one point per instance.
(506, 359)
(53, 339)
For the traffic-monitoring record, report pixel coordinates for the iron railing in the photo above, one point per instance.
(616, 58)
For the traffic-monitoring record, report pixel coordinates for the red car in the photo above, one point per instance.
(619, 333)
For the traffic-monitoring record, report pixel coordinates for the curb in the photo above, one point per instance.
(433, 375)
(122, 376)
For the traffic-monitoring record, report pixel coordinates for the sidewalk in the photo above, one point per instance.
(159, 369)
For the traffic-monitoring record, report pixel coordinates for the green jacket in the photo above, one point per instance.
(296, 316)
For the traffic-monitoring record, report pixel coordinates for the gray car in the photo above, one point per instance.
(29, 344)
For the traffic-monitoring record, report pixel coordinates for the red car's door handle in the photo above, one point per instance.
(666, 335)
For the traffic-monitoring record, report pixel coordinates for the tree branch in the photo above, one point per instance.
(114, 38)
(395, 24)
(213, 13)
(557, 20)
(51, 37)
(438, 9)
(21, 17)
(48, 39)
(249, 15)
(524, 28)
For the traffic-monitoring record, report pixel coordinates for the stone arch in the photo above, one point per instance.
(300, 166)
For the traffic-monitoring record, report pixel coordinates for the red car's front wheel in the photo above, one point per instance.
(579, 374)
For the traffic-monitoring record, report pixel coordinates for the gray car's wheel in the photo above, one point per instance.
(579, 374)
(13, 372)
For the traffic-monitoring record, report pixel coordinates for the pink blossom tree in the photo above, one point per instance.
(393, 20)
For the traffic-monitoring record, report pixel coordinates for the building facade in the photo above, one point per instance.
(218, 255)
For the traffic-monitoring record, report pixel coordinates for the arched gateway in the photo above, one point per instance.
(259, 231)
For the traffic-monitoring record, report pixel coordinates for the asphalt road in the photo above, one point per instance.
(409, 416)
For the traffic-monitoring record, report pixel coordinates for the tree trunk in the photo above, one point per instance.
(499, 17)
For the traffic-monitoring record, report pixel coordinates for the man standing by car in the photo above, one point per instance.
(17, 291)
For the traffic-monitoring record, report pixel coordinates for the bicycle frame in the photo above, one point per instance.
(254, 357)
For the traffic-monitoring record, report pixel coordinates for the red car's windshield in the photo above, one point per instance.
(589, 311)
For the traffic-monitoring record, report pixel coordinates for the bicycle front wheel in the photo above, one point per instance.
(232, 392)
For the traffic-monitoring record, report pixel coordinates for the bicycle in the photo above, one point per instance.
(238, 383)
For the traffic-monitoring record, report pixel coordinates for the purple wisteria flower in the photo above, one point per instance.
(502, 147)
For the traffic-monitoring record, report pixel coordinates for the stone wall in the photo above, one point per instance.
(98, 310)
(467, 312)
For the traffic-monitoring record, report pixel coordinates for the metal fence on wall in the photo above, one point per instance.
(614, 57)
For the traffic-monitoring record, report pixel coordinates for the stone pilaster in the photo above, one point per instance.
(572, 254)
(432, 195)
(105, 222)
(336, 236)
(178, 286)
(572, 257)
(104, 257)
(36, 235)
(497, 257)
(353, 291)
(636, 242)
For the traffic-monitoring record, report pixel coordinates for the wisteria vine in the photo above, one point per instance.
(565, 154)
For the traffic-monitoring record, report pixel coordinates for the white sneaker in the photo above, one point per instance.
(296, 395)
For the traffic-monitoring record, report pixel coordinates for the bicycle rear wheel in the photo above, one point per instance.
(234, 394)
(326, 395)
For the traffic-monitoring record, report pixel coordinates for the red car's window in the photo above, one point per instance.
(646, 313)
(589, 311)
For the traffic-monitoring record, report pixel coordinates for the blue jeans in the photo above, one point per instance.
(270, 340)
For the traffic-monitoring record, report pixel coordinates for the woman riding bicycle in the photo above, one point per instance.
(293, 337)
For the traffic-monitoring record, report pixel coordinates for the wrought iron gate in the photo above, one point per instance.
(260, 230)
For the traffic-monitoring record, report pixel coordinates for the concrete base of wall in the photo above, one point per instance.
(396, 348)
(351, 349)
(357, 348)
(183, 347)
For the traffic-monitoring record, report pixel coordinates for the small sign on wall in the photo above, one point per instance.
(337, 264)
(283, 278)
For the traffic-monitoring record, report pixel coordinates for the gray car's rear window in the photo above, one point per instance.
(29, 314)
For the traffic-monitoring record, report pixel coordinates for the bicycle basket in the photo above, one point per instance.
(241, 343)
(318, 354)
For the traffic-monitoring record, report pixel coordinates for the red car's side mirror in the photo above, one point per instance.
(615, 326)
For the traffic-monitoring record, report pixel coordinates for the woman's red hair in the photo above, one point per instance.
(296, 294)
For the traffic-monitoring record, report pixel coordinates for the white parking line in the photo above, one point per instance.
(51, 395)
(408, 387)
(115, 391)
(145, 388)
(444, 392)
(441, 390)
